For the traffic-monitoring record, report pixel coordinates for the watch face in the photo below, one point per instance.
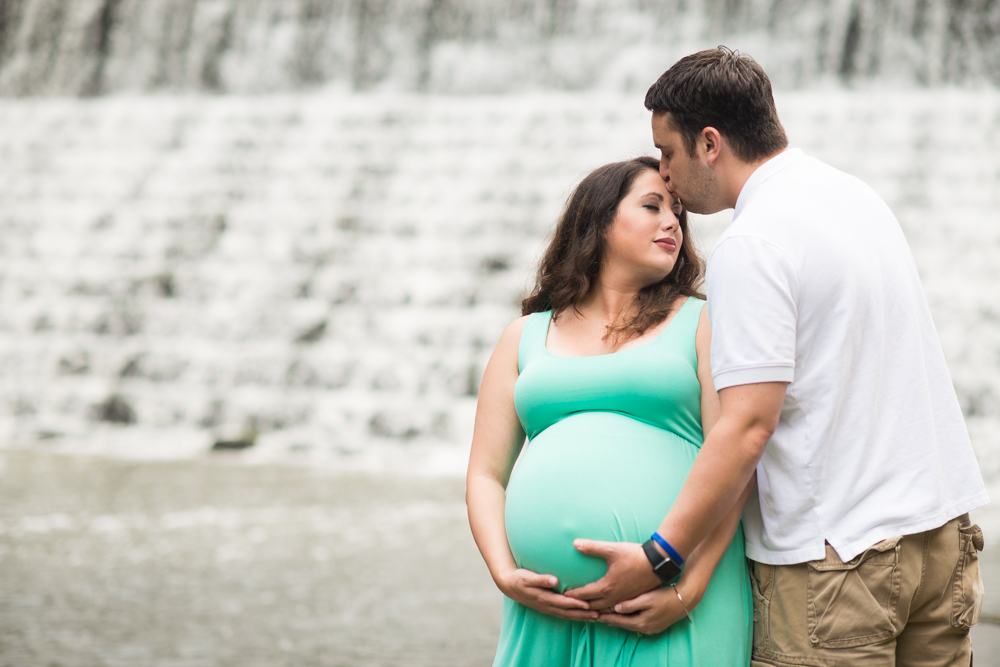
(667, 570)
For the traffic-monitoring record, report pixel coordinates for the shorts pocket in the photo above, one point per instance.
(768, 659)
(854, 603)
(967, 589)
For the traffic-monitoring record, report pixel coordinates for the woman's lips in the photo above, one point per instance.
(666, 244)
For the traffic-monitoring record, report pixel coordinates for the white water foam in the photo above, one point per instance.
(330, 271)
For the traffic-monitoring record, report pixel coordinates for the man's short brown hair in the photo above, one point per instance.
(724, 89)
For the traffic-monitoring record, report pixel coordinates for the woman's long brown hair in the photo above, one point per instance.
(577, 250)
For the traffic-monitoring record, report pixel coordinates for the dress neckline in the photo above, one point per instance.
(670, 324)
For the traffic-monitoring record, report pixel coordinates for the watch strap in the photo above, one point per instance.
(663, 567)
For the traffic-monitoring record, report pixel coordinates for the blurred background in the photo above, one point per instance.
(254, 256)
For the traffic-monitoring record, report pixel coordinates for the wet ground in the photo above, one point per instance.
(212, 563)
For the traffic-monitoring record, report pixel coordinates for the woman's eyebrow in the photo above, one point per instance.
(655, 194)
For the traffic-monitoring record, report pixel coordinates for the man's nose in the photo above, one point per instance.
(664, 172)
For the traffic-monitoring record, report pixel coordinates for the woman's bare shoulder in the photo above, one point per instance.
(511, 336)
(506, 352)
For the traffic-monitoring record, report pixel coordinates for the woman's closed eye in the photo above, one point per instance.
(652, 207)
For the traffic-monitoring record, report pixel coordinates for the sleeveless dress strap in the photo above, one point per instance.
(533, 334)
(684, 328)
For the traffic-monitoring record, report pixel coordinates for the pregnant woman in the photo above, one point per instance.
(607, 374)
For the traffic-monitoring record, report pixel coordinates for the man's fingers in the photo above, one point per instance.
(591, 591)
(628, 573)
(595, 548)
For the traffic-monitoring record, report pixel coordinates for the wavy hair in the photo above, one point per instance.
(577, 251)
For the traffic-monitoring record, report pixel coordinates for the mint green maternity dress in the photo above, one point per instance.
(611, 440)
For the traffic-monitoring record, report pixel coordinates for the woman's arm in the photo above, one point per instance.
(655, 611)
(496, 443)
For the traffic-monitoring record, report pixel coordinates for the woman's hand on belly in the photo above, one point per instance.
(535, 590)
(650, 613)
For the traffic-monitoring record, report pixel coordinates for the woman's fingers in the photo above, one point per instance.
(534, 590)
(632, 614)
(638, 603)
(571, 614)
(563, 602)
(633, 623)
(539, 580)
(649, 613)
(552, 603)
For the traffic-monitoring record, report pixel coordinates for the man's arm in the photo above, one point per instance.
(725, 464)
(719, 475)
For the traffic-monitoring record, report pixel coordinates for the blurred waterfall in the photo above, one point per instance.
(274, 218)
(332, 270)
(93, 47)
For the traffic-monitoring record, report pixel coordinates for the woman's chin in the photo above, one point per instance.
(658, 275)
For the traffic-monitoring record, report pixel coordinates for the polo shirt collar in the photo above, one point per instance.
(765, 171)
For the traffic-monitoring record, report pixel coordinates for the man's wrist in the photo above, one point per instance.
(665, 568)
(667, 549)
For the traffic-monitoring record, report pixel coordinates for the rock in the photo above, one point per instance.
(116, 410)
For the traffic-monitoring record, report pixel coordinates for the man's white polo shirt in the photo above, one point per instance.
(813, 284)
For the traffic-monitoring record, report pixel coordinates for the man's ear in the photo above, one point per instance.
(712, 142)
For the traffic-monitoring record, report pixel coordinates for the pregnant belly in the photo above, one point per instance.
(597, 475)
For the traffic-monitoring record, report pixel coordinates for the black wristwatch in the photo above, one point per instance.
(663, 567)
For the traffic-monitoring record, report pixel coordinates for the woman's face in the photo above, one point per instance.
(645, 238)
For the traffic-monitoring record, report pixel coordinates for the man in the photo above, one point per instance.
(834, 389)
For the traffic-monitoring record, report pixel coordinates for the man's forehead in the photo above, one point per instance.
(663, 130)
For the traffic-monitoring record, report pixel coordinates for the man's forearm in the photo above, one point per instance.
(725, 464)
(702, 562)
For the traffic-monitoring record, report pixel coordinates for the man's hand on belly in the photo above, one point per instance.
(629, 574)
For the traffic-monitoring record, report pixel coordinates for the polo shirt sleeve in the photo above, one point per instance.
(752, 289)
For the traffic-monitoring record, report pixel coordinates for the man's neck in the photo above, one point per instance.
(738, 173)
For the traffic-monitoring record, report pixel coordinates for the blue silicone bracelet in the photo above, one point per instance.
(674, 556)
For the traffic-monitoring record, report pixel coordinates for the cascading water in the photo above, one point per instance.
(90, 47)
(304, 224)
(326, 263)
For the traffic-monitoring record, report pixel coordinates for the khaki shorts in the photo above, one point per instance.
(906, 601)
